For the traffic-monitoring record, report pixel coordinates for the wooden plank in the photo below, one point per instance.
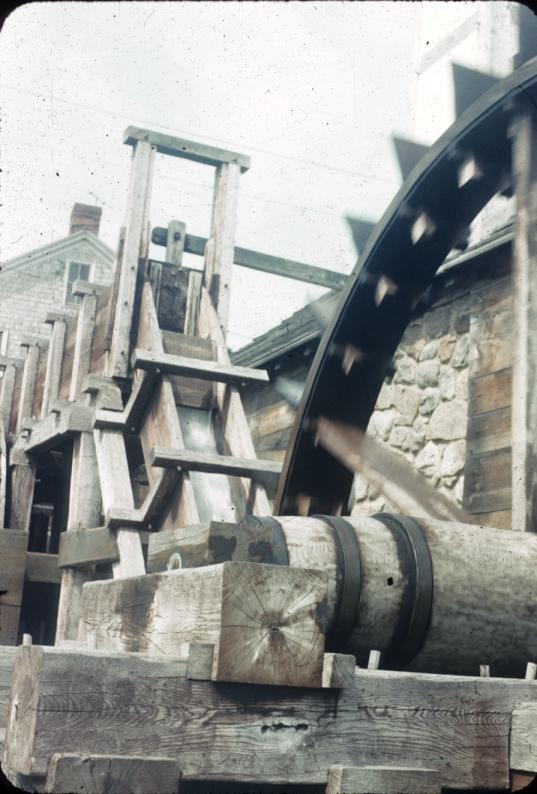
(3, 476)
(216, 464)
(54, 362)
(161, 422)
(489, 431)
(172, 296)
(383, 780)
(42, 568)
(7, 391)
(265, 263)
(190, 392)
(523, 748)
(237, 438)
(338, 670)
(218, 261)
(134, 249)
(489, 392)
(189, 150)
(7, 659)
(58, 425)
(189, 543)
(13, 545)
(116, 491)
(386, 718)
(84, 338)
(84, 511)
(175, 242)
(487, 484)
(22, 477)
(524, 397)
(79, 548)
(195, 281)
(196, 368)
(273, 613)
(29, 375)
(109, 774)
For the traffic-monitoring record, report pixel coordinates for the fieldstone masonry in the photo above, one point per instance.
(422, 413)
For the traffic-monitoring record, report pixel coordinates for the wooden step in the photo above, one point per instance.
(186, 460)
(168, 364)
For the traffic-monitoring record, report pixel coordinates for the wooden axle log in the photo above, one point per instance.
(133, 705)
(432, 596)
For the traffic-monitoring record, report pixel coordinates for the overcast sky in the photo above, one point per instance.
(312, 91)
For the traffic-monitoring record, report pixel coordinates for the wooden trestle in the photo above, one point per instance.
(180, 667)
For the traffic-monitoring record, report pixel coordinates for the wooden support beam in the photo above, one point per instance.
(7, 391)
(29, 374)
(280, 634)
(58, 425)
(116, 492)
(219, 251)
(42, 568)
(131, 417)
(22, 478)
(195, 281)
(13, 545)
(112, 774)
(134, 250)
(385, 718)
(523, 747)
(7, 659)
(168, 364)
(175, 242)
(383, 780)
(85, 547)
(237, 437)
(217, 464)
(84, 511)
(84, 336)
(265, 263)
(524, 388)
(188, 150)
(54, 361)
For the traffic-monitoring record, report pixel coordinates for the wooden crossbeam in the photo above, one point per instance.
(265, 263)
(132, 416)
(42, 568)
(196, 368)
(84, 547)
(215, 464)
(59, 425)
(188, 150)
(154, 504)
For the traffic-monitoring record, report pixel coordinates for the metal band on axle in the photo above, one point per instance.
(350, 567)
(415, 610)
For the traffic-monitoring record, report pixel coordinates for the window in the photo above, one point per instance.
(75, 271)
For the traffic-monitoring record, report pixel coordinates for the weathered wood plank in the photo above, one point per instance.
(265, 263)
(524, 396)
(189, 150)
(489, 392)
(42, 568)
(7, 393)
(13, 545)
(383, 780)
(217, 464)
(196, 368)
(487, 483)
(190, 543)
(68, 701)
(84, 511)
(273, 613)
(22, 478)
(7, 659)
(54, 362)
(116, 491)
(84, 338)
(190, 392)
(134, 249)
(108, 774)
(218, 261)
(29, 375)
(523, 748)
(85, 547)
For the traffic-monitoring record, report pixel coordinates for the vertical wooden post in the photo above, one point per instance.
(7, 388)
(193, 297)
(134, 249)
(84, 338)
(84, 512)
(29, 374)
(524, 398)
(175, 243)
(54, 361)
(221, 243)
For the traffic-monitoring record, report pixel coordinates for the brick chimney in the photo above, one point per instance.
(86, 217)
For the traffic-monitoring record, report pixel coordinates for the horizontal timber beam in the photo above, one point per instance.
(188, 150)
(169, 364)
(265, 263)
(84, 547)
(58, 425)
(384, 719)
(215, 464)
(42, 568)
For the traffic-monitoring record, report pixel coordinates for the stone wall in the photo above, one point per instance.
(421, 414)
